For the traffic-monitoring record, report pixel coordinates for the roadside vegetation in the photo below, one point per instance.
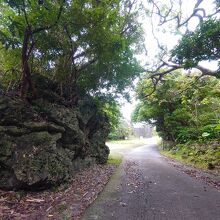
(186, 114)
(115, 158)
(122, 131)
(203, 156)
(66, 65)
(180, 95)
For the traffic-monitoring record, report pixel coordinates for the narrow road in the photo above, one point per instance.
(147, 187)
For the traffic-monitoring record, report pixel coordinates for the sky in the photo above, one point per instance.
(168, 39)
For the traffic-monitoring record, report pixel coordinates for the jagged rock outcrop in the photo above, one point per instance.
(46, 142)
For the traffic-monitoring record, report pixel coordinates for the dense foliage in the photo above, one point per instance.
(198, 31)
(122, 131)
(119, 127)
(203, 44)
(83, 45)
(181, 109)
(112, 110)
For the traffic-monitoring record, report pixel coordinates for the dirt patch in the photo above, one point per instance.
(68, 202)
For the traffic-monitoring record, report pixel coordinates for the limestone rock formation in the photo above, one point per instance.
(46, 142)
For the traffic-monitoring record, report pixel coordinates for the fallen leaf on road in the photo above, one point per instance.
(123, 204)
(35, 200)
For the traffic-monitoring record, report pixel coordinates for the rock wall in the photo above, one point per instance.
(45, 143)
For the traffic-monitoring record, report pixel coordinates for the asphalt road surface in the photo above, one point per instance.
(147, 187)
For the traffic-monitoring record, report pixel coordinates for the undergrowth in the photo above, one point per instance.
(200, 155)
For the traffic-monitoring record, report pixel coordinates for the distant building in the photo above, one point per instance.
(143, 130)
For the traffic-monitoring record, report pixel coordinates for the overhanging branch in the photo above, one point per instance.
(166, 68)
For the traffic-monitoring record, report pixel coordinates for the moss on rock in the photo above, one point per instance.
(45, 143)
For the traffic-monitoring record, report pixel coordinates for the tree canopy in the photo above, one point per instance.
(197, 44)
(88, 45)
(201, 45)
(181, 109)
(183, 105)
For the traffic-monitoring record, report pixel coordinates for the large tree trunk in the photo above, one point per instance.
(26, 82)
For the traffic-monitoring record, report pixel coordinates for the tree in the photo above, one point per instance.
(21, 21)
(180, 110)
(112, 110)
(201, 45)
(194, 46)
(83, 45)
(122, 130)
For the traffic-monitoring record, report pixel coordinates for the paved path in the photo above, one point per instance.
(147, 187)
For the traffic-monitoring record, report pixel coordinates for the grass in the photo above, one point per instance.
(197, 156)
(188, 161)
(115, 158)
(119, 147)
(178, 157)
(125, 144)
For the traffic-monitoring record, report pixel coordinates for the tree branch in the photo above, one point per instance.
(167, 16)
(84, 66)
(208, 72)
(166, 68)
(47, 27)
